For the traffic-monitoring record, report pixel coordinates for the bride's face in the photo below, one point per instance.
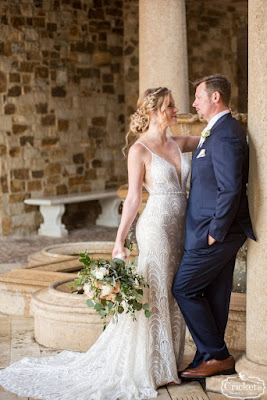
(170, 115)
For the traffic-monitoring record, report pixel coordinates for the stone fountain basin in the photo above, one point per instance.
(64, 257)
(62, 320)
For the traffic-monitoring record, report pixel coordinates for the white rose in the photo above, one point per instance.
(104, 270)
(99, 274)
(107, 289)
(87, 291)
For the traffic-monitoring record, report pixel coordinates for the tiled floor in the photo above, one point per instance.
(17, 341)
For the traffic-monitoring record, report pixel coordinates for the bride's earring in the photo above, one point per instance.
(154, 121)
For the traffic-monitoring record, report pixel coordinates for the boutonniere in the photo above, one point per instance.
(205, 134)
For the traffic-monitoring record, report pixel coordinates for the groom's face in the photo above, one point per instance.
(203, 102)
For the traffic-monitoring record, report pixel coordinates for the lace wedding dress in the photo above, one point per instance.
(130, 359)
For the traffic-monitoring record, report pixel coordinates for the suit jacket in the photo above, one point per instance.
(218, 203)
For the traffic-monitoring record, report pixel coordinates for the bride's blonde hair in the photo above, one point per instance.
(149, 101)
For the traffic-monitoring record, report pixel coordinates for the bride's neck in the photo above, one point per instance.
(155, 134)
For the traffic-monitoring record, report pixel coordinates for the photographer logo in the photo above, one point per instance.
(243, 387)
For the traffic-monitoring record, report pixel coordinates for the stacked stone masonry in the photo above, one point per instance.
(61, 102)
(217, 42)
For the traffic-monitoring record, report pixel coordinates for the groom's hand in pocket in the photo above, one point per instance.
(211, 240)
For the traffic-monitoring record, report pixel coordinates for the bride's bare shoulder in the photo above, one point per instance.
(138, 149)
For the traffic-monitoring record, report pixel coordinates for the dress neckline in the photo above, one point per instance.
(168, 162)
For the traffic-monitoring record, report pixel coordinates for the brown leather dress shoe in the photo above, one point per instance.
(210, 368)
(188, 367)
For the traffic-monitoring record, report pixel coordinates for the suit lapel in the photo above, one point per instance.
(196, 152)
(195, 156)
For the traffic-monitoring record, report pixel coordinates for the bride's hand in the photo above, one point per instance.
(119, 249)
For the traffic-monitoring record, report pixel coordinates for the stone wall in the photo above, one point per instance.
(217, 42)
(61, 102)
(131, 57)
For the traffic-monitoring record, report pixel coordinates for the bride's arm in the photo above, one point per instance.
(136, 170)
(187, 143)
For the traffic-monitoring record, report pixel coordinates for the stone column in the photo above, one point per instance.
(254, 361)
(163, 48)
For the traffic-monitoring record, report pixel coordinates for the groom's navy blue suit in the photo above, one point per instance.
(218, 207)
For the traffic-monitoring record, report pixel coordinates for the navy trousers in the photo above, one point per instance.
(202, 288)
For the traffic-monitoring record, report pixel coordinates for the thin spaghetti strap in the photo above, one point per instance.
(144, 146)
(180, 151)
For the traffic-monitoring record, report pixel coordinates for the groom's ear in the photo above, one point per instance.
(216, 97)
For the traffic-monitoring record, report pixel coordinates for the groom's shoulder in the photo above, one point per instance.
(226, 121)
(228, 128)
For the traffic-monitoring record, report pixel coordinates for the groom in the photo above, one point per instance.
(217, 225)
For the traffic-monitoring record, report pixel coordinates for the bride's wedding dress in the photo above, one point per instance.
(130, 359)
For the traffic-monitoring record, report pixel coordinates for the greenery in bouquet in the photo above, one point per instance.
(112, 286)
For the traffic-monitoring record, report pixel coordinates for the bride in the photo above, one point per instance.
(130, 360)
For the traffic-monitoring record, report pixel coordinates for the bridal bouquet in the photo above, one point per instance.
(112, 287)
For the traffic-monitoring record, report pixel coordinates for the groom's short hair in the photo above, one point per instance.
(217, 83)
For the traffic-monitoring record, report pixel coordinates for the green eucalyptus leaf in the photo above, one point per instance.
(128, 244)
(90, 303)
(102, 313)
(98, 306)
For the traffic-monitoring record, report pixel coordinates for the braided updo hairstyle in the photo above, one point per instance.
(149, 101)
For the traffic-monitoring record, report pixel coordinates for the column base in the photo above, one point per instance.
(251, 368)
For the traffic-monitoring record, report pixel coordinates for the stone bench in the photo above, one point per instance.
(53, 208)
